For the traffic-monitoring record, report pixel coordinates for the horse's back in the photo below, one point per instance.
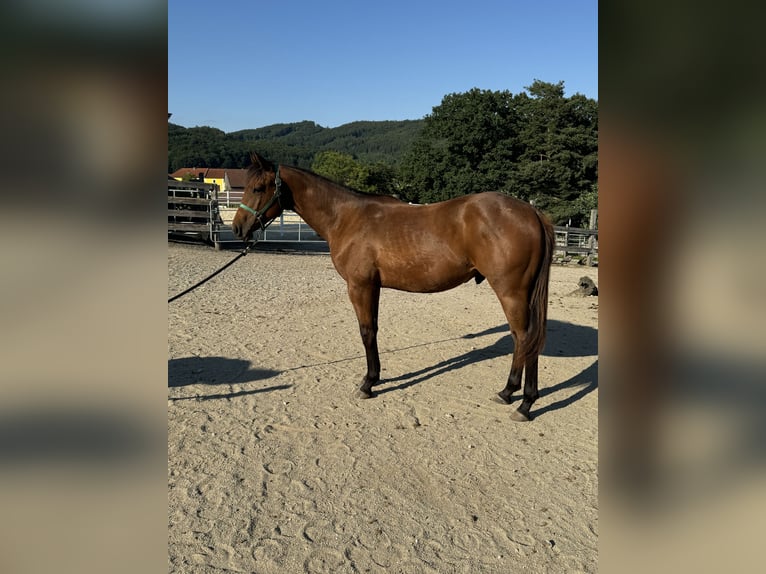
(386, 215)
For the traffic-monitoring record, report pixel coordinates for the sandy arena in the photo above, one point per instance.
(274, 466)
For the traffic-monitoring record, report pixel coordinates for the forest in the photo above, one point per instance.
(294, 144)
(537, 145)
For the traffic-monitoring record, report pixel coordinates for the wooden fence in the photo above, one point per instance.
(193, 211)
(574, 242)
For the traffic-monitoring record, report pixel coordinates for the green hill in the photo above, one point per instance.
(295, 143)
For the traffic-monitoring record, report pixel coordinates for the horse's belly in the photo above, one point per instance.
(424, 276)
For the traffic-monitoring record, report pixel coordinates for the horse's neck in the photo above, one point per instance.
(319, 204)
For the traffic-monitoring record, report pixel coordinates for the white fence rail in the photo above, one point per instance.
(287, 228)
(578, 242)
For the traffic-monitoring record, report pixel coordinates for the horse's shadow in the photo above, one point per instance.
(563, 340)
(217, 371)
(586, 380)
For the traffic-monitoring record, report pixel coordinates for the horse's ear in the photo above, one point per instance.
(261, 162)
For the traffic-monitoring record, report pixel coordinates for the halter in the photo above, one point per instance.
(274, 199)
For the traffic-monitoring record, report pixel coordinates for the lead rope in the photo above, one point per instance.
(244, 252)
(258, 215)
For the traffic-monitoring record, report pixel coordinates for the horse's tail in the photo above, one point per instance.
(538, 301)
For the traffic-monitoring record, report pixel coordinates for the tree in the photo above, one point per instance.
(559, 158)
(341, 168)
(539, 146)
(378, 178)
(459, 147)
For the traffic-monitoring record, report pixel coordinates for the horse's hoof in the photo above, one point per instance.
(500, 399)
(519, 417)
(360, 394)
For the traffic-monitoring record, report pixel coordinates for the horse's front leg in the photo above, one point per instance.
(365, 297)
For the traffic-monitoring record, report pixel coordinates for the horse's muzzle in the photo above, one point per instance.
(239, 230)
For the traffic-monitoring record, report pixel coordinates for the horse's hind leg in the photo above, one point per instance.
(514, 378)
(517, 312)
(530, 391)
(366, 299)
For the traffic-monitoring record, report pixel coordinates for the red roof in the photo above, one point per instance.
(237, 178)
(191, 171)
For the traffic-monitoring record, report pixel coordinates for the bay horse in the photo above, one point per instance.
(379, 241)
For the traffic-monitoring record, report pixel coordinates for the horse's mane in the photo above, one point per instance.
(342, 187)
(255, 170)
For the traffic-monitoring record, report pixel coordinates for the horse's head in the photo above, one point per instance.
(261, 202)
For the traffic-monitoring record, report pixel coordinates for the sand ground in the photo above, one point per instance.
(274, 466)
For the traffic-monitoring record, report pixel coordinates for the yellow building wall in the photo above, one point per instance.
(217, 180)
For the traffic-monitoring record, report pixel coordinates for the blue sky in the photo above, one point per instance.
(237, 64)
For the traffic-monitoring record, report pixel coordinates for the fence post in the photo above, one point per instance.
(592, 239)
